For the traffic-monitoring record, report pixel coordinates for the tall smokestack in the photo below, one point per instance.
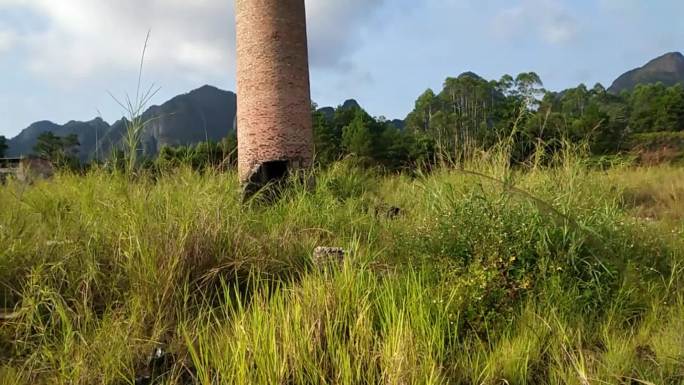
(275, 135)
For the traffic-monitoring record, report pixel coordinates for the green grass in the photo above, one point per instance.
(558, 275)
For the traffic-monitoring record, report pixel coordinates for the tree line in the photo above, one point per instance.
(471, 113)
(468, 114)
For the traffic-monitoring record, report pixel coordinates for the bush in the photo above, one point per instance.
(657, 147)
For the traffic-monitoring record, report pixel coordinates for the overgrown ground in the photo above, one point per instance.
(558, 275)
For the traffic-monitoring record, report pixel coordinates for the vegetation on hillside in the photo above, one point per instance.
(470, 112)
(658, 147)
(61, 151)
(555, 273)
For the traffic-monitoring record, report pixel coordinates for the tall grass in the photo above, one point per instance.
(134, 107)
(552, 277)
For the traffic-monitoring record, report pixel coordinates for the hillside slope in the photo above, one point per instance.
(667, 69)
(206, 113)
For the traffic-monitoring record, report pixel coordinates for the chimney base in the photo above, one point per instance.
(268, 174)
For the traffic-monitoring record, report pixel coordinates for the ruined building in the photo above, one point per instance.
(25, 170)
(275, 134)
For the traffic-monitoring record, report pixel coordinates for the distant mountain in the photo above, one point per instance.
(472, 75)
(350, 103)
(329, 113)
(667, 69)
(87, 132)
(206, 113)
(398, 123)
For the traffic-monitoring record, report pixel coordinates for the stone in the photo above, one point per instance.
(327, 256)
(389, 212)
(161, 365)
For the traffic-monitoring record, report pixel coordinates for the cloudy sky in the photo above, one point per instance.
(60, 58)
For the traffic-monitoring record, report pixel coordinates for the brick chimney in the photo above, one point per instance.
(275, 135)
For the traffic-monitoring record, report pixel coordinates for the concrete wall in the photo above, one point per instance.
(26, 170)
(32, 169)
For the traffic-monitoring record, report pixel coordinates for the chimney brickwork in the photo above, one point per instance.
(274, 100)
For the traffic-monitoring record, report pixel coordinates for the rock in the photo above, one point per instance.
(327, 256)
(143, 380)
(390, 212)
(159, 365)
(646, 353)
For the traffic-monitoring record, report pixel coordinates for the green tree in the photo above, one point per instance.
(61, 151)
(599, 90)
(326, 138)
(505, 85)
(654, 107)
(3, 146)
(468, 112)
(393, 148)
(529, 86)
(426, 105)
(201, 157)
(574, 101)
(357, 138)
(672, 116)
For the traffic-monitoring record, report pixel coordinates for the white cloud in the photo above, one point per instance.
(549, 20)
(82, 39)
(334, 29)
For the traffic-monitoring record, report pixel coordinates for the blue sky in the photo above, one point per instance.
(60, 58)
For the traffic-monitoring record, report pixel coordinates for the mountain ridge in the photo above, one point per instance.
(173, 122)
(667, 69)
(207, 113)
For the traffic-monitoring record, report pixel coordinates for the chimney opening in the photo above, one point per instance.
(272, 172)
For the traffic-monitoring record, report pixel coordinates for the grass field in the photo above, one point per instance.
(552, 275)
